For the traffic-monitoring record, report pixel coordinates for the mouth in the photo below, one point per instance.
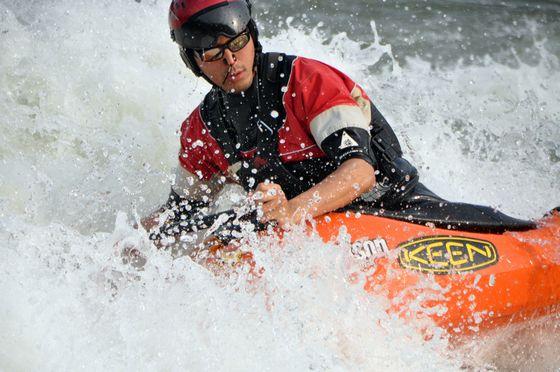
(232, 76)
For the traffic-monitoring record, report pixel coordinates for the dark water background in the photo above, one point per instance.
(442, 32)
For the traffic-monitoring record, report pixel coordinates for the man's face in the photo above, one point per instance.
(233, 72)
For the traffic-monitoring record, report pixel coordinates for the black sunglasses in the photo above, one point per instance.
(216, 53)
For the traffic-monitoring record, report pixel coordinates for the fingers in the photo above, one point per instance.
(268, 191)
(273, 204)
(272, 201)
(130, 254)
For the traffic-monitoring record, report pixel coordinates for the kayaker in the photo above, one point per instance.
(299, 135)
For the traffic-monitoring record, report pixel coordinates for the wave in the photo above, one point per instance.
(93, 95)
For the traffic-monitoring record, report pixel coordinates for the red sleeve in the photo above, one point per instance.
(200, 154)
(315, 87)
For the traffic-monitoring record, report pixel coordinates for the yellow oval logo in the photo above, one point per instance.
(447, 254)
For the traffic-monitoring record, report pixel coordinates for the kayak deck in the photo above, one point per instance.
(464, 281)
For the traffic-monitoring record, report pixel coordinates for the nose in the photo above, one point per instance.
(229, 57)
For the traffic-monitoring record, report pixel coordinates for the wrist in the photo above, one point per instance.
(298, 213)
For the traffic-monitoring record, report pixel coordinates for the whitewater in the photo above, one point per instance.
(92, 96)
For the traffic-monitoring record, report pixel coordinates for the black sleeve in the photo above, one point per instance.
(385, 140)
(348, 143)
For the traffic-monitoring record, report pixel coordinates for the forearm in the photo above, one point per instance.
(340, 188)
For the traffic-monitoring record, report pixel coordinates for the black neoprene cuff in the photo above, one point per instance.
(348, 143)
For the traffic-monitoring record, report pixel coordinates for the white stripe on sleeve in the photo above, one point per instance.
(336, 118)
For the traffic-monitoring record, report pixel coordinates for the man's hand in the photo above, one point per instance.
(346, 183)
(275, 206)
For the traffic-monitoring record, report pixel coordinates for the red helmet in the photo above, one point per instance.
(197, 24)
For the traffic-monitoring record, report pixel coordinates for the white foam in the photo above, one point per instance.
(92, 96)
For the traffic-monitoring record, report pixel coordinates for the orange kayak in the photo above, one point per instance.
(463, 281)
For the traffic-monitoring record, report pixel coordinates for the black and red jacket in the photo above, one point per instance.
(298, 122)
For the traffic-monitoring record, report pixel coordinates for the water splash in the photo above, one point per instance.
(90, 109)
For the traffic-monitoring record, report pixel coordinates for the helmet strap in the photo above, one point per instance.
(188, 59)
